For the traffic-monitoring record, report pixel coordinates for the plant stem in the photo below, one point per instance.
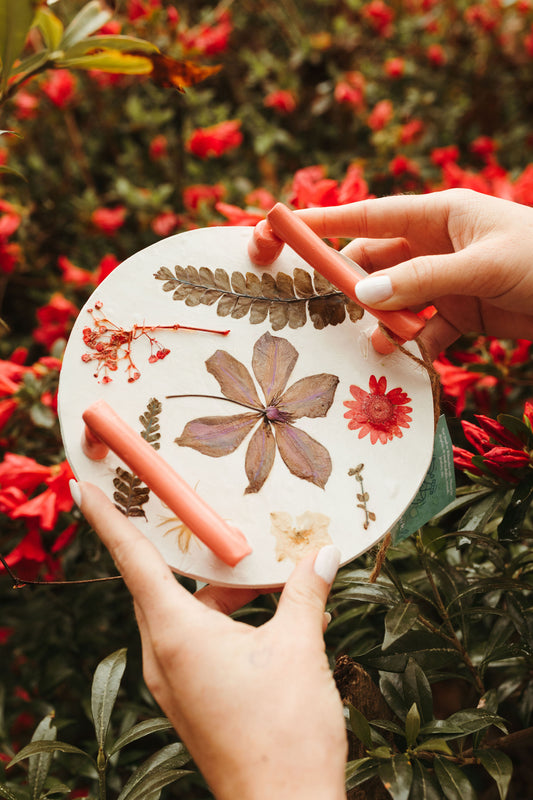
(215, 397)
(451, 636)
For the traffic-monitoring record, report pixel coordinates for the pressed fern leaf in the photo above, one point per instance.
(284, 299)
(130, 493)
(150, 423)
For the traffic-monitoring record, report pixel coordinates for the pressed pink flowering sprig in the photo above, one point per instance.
(109, 343)
(503, 448)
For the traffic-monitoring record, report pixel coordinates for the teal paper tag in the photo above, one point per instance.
(437, 490)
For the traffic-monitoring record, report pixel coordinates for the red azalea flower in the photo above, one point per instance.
(109, 220)
(523, 186)
(394, 67)
(106, 267)
(73, 274)
(46, 507)
(380, 16)
(378, 412)
(54, 320)
(209, 39)
(165, 223)
(380, 115)
(26, 105)
(202, 194)
(310, 188)
(436, 55)
(281, 100)
(411, 131)
(22, 472)
(158, 147)
(261, 198)
(60, 87)
(445, 155)
(402, 165)
(7, 409)
(215, 140)
(238, 216)
(353, 187)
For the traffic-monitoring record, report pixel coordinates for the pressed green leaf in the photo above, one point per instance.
(109, 61)
(106, 683)
(397, 777)
(171, 757)
(138, 731)
(499, 766)
(360, 726)
(453, 781)
(412, 725)
(46, 747)
(50, 26)
(15, 22)
(416, 689)
(39, 764)
(91, 17)
(399, 620)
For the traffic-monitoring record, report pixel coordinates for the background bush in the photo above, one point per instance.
(316, 103)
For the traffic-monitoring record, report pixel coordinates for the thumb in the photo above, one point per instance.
(303, 599)
(424, 279)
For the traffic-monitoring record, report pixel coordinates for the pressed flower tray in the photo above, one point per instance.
(291, 426)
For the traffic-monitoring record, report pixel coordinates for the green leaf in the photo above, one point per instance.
(513, 519)
(424, 786)
(15, 22)
(475, 719)
(412, 725)
(454, 783)
(359, 771)
(14, 793)
(434, 746)
(499, 766)
(391, 687)
(46, 747)
(480, 512)
(399, 620)
(11, 171)
(110, 43)
(169, 758)
(138, 731)
(397, 777)
(106, 683)
(517, 427)
(416, 689)
(50, 26)
(109, 61)
(39, 764)
(156, 780)
(91, 17)
(360, 726)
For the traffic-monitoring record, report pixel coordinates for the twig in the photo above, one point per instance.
(19, 583)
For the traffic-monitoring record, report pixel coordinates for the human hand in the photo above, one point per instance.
(466, 253)
(256, 707)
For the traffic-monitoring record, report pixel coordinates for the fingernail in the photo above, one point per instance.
(75, 491)
(327, 562)
(327, 618)
(374, 289)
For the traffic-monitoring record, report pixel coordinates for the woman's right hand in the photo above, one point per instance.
(468, 254)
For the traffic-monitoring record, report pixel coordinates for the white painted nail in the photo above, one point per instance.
(75, 491)
(374, 289)
(327, 562)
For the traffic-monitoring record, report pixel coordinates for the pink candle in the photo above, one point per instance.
(288, 227)
(105, 425)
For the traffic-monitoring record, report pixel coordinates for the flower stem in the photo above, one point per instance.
(215, 397)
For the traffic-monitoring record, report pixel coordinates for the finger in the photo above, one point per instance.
(145, 573)
(303, 600)
(384, 217)
(375, 254)
(426, 278)
(224, 599)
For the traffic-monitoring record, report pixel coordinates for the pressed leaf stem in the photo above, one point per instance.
(215, 397)
(451, 636)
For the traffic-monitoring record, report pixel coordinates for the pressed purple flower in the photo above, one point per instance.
(273, 362)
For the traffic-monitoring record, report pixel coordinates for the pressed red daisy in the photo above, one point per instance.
(380, 413)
